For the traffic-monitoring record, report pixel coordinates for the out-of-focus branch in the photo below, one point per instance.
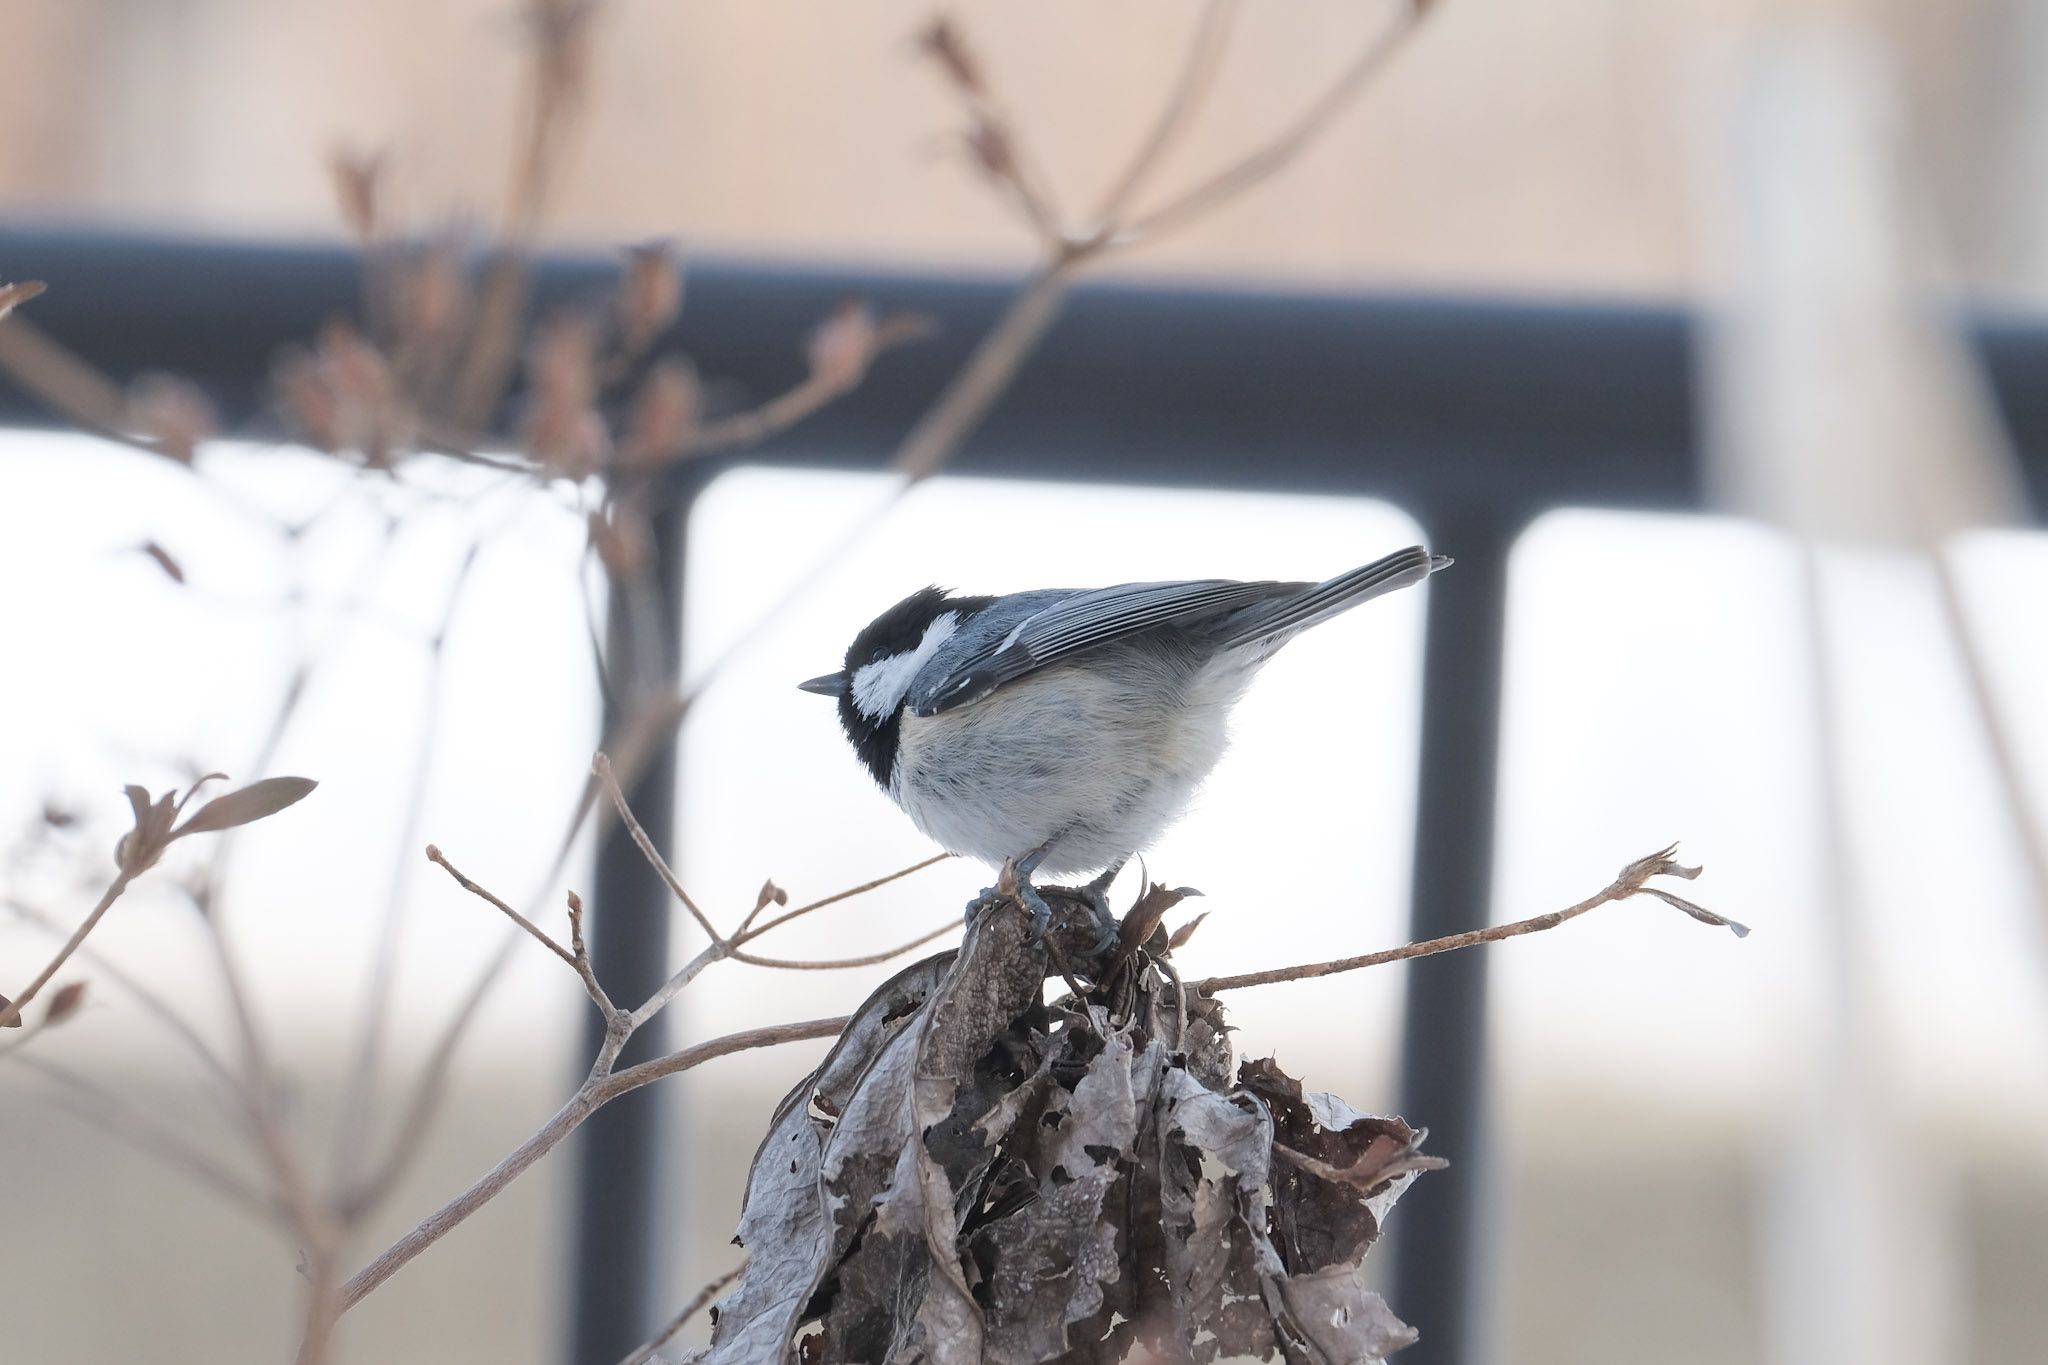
(556, 78)
(1197, 73)
(1632, 881)
(131, 1124)
(1233, 180)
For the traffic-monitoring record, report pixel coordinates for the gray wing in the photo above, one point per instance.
(1082, 620)
(1068, 623)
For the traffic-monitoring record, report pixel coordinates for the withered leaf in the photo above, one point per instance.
(256, 801)
(13, 1020)
(65, 1002)
(975, 1175)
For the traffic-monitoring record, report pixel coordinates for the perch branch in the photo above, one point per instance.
(1631, 882)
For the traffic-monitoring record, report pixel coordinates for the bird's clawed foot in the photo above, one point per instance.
(1016, 884)
(1096, 895)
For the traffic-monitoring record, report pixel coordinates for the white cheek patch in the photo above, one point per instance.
(879, 687)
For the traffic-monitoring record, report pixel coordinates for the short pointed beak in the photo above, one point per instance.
(830, 685)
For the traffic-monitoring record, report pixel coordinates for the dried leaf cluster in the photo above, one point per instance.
(974, 1174)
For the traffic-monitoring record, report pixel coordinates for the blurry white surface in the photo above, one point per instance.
(1658, 689)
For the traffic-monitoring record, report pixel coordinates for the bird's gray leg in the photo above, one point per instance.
(1041, 913)
(1096, 894)
(1034, 904)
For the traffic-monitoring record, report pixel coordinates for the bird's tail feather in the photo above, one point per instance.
(1316, 604)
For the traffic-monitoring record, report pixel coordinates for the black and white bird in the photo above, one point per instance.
(1067, 729)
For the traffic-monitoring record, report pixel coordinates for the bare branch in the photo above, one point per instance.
(847, 894)
(646, 1073)
(431, 1086)
(540, 935)
(837, 963)
(793, 405)
(602, 767)
(128, 1123)
(1234, 179)
(10, 1010)
(593, 1095)
(1631, 882)
(1205, 54)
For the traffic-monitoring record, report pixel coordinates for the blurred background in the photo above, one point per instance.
(1670, 320)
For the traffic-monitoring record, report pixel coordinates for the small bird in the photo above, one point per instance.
(1067, 729)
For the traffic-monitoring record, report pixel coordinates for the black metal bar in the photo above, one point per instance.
(619, 1236)
(1440, 1274)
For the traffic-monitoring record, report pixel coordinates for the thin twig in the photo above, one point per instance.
(837, 963)
(643, 1353)
(10, 1013)
(602, 767)
(852, 891)
(431, 1087)
(593, 1095)
(793, 405)
(669, 989)
(485, 894)
(1250, 170)
(1205, 54)
(1631, 882)
(117, 1118)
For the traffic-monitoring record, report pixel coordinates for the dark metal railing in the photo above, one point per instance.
(1474, 417)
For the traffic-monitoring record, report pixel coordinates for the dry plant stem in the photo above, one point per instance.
(10, 1014)
(779, 413)
(838, 963)
(1631, 882)
(799, 911)
(359, 1093)
(69, 385)
(697, 1304)
(602, 766)
(494, 336)
(598, 1090)
(429, 1090)
(539, 935)
(123, 1121)
(989, 370)
(165, 1012)
(1205, 54)
(1234, 179)
(310, 1216)
(323, 1304)
(602, 1084)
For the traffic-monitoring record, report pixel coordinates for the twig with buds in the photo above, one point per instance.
(1633, 880)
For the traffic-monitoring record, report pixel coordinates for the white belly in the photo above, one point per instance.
(1098, 761)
